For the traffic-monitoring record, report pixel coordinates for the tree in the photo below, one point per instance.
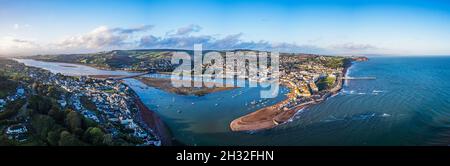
(88, 123)
(12, 109)
(57, 114)
(73, 120)
(53, 138)
(67, 139)
(94, 135)
(108, 140)
(42, 124)
(40, 104)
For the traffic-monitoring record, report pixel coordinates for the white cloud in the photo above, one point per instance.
(187, 30)
(11, 45)
(142, 28)
(103, 37)
(19, 26)
(354, 47)
(97, 38)
(228, 42)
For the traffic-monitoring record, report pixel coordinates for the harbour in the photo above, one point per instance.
(376, 112)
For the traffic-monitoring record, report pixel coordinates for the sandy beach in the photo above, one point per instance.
(166, 85)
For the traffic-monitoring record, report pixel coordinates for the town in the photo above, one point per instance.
(117, 109)
(108, 103)
(310, 78)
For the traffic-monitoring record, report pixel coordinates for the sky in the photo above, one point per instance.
(394, 27)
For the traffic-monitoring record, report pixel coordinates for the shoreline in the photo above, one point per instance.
(264, 118)
(153, 122)
(272, 116)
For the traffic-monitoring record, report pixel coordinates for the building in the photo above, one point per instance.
(17, 132)
(62, 103)
(304, 91)
(313, 87)
(20, 92)
(16, 129)
(2, 103)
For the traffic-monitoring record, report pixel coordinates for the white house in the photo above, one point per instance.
(2, 103)
(16, 129)
(62, 103)
(20, 92)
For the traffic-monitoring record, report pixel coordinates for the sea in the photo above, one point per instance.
(408, 104)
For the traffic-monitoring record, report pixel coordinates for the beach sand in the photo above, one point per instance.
(166, 85)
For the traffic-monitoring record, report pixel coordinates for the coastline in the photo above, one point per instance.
(272, 116)
(153, 122)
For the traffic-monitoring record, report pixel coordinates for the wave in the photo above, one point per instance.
(363, 116)
(357, 117)
(353, 92)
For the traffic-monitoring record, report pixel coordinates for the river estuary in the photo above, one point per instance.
(408, 104)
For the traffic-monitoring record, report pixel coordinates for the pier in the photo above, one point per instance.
(359, 78)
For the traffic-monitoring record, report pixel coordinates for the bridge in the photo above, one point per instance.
(359, 78)
(129, 76)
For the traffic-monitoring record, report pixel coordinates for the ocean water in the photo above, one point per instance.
(407, 104)
(203, 120)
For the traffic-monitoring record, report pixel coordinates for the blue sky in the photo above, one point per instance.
(403, 27)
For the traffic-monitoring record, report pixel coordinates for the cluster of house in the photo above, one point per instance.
(113, 105)
(111, 98)
(78, 106)
(162, 62)
(302, 75)
(152, 66)
(19, 94)
(2, 104)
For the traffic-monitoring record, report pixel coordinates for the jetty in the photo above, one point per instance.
(359, 78)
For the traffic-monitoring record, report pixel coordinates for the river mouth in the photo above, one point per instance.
(405, 105)
(187, 116)
(192, 117)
